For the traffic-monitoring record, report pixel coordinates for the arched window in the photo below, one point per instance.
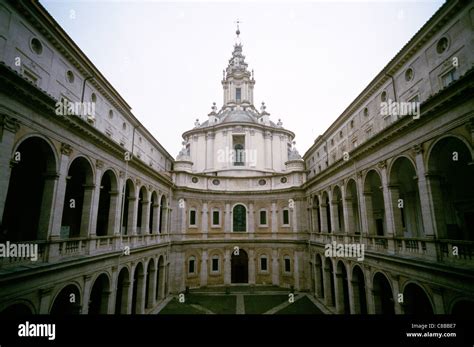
(239, 217)
(192, 266)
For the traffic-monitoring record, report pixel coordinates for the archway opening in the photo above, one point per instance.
(374, 204)
(99, 298)
(353, 207)
(105, 213)
(383, 296)
(123, 287)
(68, 301)
(343, 288)
(16, 310)
(239, 267)
(360, 298)
(416, 301)
(29, 198)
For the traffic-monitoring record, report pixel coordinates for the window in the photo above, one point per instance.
(409, 74)
(239, 150)
(366, 112)
(238, 94)
(263, 263)
(442, 45)
(286, 217)
(192, 217)
(263, 217)
(215, 264)
(383, 96)
(70, 76)
(287, 264)
(124, 125)
(239, 216)
(352, 123)
(448, 77)
(340, 134)
(36, 46)
(216, 218)
(93, 97)
(191, 265)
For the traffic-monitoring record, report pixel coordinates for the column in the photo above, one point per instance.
(328, 299)
(347, 212)
(204, 268)
(182, 216)
(274, 219)
(296, 272)
(369, 213)
(354, 298)
(227, 220)
(87, 210)
(95, 198)
(87, 293)
(251, 267)
(251, 219)
(205, 220)
(268, 149)
(60, 193)
(275, 268)
(8, 128)
(45, 300)
(132, 214)
(114, 207)
(362, 205)
(294, 216)
(46, 217)
(210, 151)
(324, 217)
(438, 300)
(387, 201)
(113, 293)
(152, 287)
(227, 267)
(369, 291)
(396, 290)
(141, 289)
(338, 291)
(394, 196)
(156, 218)
(146, 214)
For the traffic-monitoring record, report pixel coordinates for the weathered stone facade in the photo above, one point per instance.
(120, 225)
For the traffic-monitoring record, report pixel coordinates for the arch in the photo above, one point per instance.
(162, 218)
(316, 215)
(150, 284)
(352, 200)
(329, 286)
(416, 300)
(160, 278)
(338, 209)
(319, 276)
(142, 218)
(67, 301)
(463, 307)
(99, 296)
(342, 299)
(358, 290)
(18, 308)
(405, 198)
(107, 204)
(33, 175)
(325, 213)
(138, 295)
(383, 294)
(128, 225)
(239, 267)
(239, 218)
(450, 173)
(152, 223)
(78, 198)
(122, 292)
(374, 203)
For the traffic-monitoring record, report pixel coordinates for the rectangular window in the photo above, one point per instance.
(215, 217)
(238, 94)
(238, 150)
(448, 77)
(263, 264)
(286, 217)
(287, 265)
(215, 264)
(191, 266)
(263, 217)
(192, 217)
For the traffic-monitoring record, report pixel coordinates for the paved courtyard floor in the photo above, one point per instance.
(241, 300)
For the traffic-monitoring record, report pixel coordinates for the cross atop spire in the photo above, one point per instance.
(238, 29)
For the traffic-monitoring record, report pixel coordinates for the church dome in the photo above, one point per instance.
(238, 116)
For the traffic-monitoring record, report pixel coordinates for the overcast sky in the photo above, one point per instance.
(311, 58)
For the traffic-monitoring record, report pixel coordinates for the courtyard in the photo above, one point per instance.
(241, 300)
